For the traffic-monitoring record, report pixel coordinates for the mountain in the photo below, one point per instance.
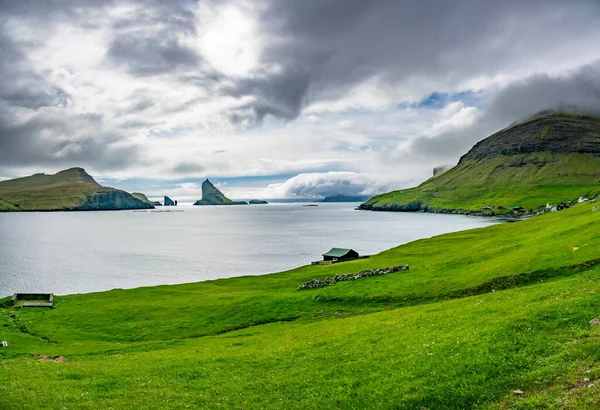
(145, 199)
(257, 202)
(212, 196)
(345, 198)
(546, 159)
(69, 190)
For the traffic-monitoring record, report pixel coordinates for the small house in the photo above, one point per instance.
(340, 254)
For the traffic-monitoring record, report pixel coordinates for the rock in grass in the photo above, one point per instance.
(518, 391)
(594, 321)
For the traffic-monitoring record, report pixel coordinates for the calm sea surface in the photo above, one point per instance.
(75, 252)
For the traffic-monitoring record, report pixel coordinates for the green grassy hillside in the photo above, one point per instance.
(5, 206)
(545, 160)
(69, 190)
(144, 198)
(479, 314)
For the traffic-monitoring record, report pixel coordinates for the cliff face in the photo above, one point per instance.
(111, 199)
(212, 196)
(547, 159)
(69, 190)
(557, 134)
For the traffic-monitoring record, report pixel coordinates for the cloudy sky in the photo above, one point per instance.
(280, 98)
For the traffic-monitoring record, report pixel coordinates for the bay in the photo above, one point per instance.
(77, 252)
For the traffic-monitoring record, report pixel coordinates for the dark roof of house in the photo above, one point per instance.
(338, 252)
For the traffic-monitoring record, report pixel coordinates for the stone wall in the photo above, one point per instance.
(317, 283)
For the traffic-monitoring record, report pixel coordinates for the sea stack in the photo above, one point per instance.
(212, 196)
(169, 201)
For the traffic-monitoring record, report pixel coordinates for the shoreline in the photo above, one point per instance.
(259, 274)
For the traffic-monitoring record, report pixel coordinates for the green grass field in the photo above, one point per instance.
(479, 314)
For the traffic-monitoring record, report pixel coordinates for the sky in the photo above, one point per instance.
(280, 98)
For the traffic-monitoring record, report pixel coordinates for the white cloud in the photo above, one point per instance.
(229, 39)
(319, 185)
(454, 116)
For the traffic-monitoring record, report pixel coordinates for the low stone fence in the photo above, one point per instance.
(317, 283)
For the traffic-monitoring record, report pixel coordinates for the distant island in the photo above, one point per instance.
(346, 198)
(257, 202)
(145, 199)
(212, 196)
(69, 190)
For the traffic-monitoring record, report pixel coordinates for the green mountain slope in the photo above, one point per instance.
(212, 196)
(479, 314)
(69, 190)
(144, 198)
(545, 160)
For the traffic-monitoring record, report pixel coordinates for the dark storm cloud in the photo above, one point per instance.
(20, 84)
(147, 55)
(150, 43)
(278, 94)
(335, 45)
(56, 138)
(578, 92)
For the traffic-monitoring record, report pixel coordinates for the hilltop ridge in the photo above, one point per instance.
(72, 189)
(546, 159)
(555, 133)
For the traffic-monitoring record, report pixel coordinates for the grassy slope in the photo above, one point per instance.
(125, 342)
(455, 354)
(467, 186)
(530, 179)
(5, 206)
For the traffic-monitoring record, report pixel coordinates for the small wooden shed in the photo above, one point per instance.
(33, 299)
(340, 254)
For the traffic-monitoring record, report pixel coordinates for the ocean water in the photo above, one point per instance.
(77, 252)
